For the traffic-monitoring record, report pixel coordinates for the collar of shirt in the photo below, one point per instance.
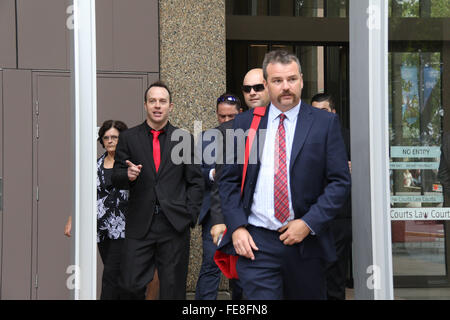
(291, 114)
(150, 128)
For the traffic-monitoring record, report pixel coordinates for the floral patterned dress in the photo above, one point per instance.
(112, 205)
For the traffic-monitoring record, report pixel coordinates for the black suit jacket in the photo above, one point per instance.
(216, 207)
(206, 168)
(178, 185)
(346, 210)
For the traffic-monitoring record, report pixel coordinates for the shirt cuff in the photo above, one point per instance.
(312, 231)
(211, 177)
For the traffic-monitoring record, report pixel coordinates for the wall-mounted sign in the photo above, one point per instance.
(414, 165)
(401, 214)
(415, 152)
(419, 198)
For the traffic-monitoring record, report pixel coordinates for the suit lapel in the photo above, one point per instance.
(304, 123)
(261, 135)
(145, 138)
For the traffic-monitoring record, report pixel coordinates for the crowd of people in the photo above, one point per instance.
(273, 204)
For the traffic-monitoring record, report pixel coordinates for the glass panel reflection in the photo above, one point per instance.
(289, 8)
(415, 136)
(419, 8)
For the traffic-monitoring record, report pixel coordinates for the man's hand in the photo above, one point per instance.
(133, 170)
(243, 243)
(216, 231)
(294, 232)
(350, 166)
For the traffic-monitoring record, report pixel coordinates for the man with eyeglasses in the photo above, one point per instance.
(255, 94)
(227, 107)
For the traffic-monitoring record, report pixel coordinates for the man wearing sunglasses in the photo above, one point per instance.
(255, 94)
(227, 107)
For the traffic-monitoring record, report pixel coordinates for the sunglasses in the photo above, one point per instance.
(226, 98)
(257, 87)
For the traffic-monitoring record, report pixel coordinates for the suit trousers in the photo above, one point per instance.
(337, 270)
(111, 252)
(209, 276)
(162, 248)
(279, 271)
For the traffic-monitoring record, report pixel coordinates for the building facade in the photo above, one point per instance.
(203, 48)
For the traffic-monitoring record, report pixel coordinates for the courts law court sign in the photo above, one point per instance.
(421, 213)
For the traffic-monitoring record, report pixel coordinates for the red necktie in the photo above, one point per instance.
(281, 196)
(156, 148)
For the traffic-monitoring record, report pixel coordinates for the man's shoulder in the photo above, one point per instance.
(244, 119)
(319, 114)
(132, 131)
(225, 125)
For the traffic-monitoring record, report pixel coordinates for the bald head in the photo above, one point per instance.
(254, 95)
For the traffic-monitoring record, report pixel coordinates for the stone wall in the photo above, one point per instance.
(192, 63)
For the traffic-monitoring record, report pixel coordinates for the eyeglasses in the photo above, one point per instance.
(257, 87)
(228, 99)
(113, 138)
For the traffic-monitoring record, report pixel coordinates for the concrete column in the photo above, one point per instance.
(372, 254)
(85, 102)
(192, 63)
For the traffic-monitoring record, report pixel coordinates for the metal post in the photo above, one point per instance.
(370, 149)
(85, 102)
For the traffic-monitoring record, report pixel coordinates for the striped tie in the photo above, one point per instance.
(281, 196)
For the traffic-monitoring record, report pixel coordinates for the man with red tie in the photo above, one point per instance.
(278, 223)
(166, 191)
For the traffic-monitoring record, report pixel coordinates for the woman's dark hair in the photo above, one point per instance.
(108, 124)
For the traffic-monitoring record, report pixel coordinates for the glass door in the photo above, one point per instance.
(417, 196)
(419, 129)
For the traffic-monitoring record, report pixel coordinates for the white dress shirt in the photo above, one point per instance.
(263, 206)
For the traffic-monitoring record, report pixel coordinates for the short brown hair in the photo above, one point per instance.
(161, 85)
(279, 56)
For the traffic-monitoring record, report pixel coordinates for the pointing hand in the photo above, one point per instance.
(133, 170)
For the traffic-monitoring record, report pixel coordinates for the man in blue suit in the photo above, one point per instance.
(227, 107)
(298, 182)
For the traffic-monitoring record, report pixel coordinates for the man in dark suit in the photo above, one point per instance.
(341, 225)
(227, 107)
(293, 189)
(166, 190)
